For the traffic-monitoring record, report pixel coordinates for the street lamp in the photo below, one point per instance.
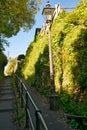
(48, 15)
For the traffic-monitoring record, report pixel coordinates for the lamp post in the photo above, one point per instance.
(48, 14)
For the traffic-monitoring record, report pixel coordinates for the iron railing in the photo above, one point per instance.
(34, 118)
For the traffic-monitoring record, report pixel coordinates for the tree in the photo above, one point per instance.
(16, 14)
(21, 57)
(3, 62)
(11, 66)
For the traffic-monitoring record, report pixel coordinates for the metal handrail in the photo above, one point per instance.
(25, 98)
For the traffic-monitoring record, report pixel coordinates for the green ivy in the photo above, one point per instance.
(69, 47)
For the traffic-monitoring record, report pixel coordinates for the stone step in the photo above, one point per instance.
(2, 93)
(7, 99)
(5, 88)
(4, 104)
(6, 109)
(6, 96)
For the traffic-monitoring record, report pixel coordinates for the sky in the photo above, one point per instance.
(20, 42)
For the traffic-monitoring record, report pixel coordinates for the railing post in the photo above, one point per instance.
(26, 107)
(17, 83)
(15, 79)
(37, 120)
(19, 89)
(21, 95)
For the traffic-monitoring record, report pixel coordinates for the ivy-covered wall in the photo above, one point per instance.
(69, 44)
(69, 47)
(36, 63)
(69, 34)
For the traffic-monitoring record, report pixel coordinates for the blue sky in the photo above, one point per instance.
(20, 42)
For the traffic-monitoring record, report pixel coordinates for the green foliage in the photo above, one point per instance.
(16, 14)
(69, 47)
(42, 69)
(80, 49)
(67, 102)
(78, 16)
(74, 124)
(36, 63)
(43, 91)
(3, 42)
(11, 66)
(3, 62)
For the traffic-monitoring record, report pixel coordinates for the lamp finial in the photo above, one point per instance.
(48, 4)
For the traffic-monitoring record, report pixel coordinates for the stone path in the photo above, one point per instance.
(6, 105)
(53, 119)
